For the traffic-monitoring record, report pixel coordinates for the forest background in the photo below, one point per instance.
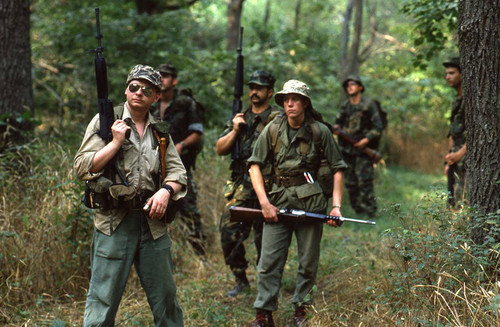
(416, 268)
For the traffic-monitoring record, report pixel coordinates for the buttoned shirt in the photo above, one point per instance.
(139, 161)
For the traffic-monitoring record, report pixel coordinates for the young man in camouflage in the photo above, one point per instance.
(244, 129)
(359, 117)
(457, 148)
(185, 119)
(124, 233)
(294, 158)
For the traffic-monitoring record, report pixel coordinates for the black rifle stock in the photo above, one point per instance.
(451, 182)
(372, 154)
(238, 93)
(248, 215)
(106, 112)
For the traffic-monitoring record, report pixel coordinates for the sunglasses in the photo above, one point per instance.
(352, 83)
(146, 90)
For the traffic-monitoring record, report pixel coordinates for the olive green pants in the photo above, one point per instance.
(276, 240)
(111, 260)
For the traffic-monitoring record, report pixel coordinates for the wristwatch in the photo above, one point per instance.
(169, 188)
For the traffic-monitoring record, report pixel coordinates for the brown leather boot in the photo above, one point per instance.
(264, 318)
(300, 317)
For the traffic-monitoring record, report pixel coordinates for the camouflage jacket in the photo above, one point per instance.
(359, 120)
(457, 124)
(184, 118)
(239, 169)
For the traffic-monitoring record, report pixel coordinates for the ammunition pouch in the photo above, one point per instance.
(325, 178)
(97, 194)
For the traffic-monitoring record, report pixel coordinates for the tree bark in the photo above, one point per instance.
(16, 93)
(298, 7)
(234, 9)
(350, 60)
(479, 44)
(267, 12)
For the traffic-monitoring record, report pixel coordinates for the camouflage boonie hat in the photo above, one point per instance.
(453, 62)
(146, 73)
(167, 69)
(263, 78)
(293, 86)
(354, 78)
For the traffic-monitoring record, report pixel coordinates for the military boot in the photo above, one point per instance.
(300, 317)
(263, 318)
(241, 285)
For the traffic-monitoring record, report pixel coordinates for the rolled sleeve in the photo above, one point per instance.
(84, 157)
(175, 170)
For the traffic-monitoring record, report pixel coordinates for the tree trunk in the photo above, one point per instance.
(479, 43)
(267, 12)
(297, 15)
(16, 93)
(350, 58)
(234, 9)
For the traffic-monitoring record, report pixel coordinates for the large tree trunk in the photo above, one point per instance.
(479, 43)
(298, 7)
(16, 93)
(350, 59)
(234, 9)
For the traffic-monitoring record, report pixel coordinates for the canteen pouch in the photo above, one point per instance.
(325, 178)
(97, 194)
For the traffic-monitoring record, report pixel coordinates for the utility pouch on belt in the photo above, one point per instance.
(97, 194)
(325, 178)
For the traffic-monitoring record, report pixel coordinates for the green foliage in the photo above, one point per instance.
(435, 20)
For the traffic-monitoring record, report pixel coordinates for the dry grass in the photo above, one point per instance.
(45, 237)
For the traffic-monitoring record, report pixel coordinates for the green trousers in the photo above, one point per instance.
(276, 240)
(111, 260)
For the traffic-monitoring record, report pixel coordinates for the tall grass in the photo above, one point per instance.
(417, 267)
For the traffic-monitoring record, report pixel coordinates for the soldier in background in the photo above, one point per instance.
(238, 189)
(185, 117)
(454, 160)
(359, 116)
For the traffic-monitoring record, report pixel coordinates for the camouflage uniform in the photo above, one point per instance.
(360, 120)
(457, 133)
(239, 192)
(185, 118)
(291, 162)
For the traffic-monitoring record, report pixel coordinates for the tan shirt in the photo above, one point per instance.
(139, 162)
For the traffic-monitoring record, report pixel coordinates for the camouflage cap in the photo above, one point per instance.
(453, 62)
(354, 78)
(292, 87)
(167, 69)
(262, 77)
(146, 73)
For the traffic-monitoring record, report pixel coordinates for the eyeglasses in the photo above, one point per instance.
(352, 83)
(146, 90)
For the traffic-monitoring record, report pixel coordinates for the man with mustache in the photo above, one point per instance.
(244, 129)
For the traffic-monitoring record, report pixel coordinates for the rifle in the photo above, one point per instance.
(238, 92)
(372, 154)
(248, 215)
(106, 112)
(451, 182)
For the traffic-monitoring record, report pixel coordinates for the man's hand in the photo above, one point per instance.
(270, 213)
(361, 144)
(238, 119)
(334, 223)
(119, 130)
(158, 204)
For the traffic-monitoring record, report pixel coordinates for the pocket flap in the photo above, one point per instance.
(307, 190)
